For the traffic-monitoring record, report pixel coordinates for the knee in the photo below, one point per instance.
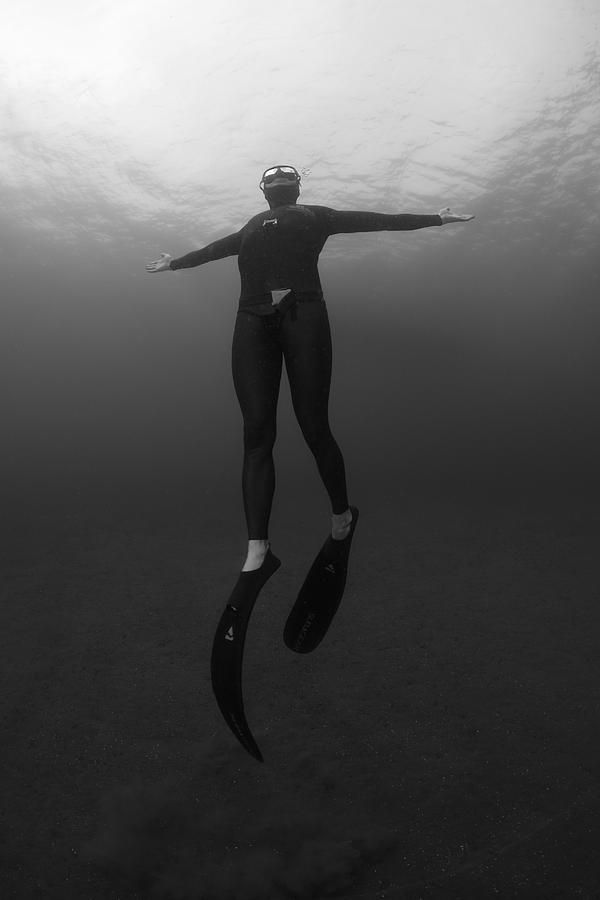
(259, 437)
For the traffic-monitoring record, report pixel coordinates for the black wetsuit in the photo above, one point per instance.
(278, 250)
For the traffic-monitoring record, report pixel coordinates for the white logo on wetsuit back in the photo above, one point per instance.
(293, 208)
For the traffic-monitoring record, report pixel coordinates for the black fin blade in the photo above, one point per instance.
(228, 651)
(226, 673)
(320, 595)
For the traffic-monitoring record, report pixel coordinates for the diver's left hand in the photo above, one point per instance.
(447, 216)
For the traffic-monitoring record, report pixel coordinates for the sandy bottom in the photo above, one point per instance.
(442, 742)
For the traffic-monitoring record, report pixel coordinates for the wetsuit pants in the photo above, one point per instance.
(301, 337)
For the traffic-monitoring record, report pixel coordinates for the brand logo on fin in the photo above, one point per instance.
(304, 630)
(229, 633)
(330, 568)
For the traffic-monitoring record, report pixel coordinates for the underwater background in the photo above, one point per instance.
(431, 739)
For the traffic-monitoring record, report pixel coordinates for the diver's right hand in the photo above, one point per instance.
(160, 265)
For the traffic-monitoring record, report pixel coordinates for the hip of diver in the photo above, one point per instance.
(278, 303)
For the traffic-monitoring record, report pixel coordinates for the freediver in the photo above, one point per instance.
(282, 316)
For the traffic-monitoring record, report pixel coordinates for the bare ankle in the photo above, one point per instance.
(257, 550)
(340, 524)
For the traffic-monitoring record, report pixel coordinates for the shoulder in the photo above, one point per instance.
(320, 210)
(255, 223)
(323, 215)
(257, 219)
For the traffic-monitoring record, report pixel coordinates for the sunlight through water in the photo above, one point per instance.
(117, 115)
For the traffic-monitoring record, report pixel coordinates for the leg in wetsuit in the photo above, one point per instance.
(302, 338)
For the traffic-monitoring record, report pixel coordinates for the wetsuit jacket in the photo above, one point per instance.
(279, 249)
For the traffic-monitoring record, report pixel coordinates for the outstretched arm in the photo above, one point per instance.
(227, 246)
(342, 222)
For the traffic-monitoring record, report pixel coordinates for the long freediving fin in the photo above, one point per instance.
(228, 651)
(320, 595)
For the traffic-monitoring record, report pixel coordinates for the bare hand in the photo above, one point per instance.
(160, 265)
(446, 216)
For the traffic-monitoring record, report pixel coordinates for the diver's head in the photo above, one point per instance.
(280, 185)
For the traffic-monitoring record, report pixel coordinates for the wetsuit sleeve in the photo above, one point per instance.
(227, 246)
(342, 222)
